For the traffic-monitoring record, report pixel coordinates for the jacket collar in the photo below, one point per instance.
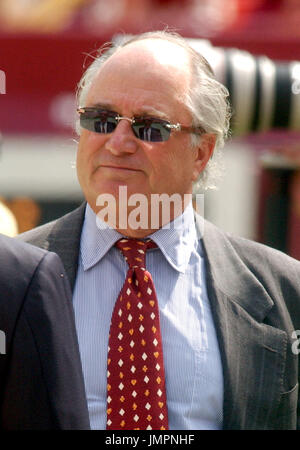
(229, 273)
(64, 239)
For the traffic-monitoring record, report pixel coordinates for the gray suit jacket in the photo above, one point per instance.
(255, 298)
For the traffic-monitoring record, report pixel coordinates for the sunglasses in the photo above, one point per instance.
(148, 129)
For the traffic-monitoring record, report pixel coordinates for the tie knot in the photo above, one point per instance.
(134, 251)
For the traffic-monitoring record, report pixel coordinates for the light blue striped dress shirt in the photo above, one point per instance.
(193, 370)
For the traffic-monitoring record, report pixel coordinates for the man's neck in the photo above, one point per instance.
(139, 223)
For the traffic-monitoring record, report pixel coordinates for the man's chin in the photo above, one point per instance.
(120, 190)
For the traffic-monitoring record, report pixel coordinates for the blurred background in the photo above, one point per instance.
(254, 48)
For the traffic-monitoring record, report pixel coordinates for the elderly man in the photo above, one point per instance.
(200, 333)
(41, 383)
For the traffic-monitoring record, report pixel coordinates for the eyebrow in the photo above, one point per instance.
(145, 110)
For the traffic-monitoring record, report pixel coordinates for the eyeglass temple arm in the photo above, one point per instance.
(195, 130)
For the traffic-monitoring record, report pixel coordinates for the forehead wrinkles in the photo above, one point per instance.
(125, 103)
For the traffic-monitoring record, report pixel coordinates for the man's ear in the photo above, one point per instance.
(203, 153)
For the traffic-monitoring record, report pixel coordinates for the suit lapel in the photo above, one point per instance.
(64, 239)
(253, 353)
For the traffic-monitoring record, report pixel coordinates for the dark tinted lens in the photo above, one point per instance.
(98, 121)
(151, 130)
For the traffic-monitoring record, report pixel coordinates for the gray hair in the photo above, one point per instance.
(206, 99)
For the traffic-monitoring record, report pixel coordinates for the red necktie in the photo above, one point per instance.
(136, 393)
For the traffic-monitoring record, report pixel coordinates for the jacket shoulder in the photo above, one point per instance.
(254, 254)
(247, 271)
(37, 236)
(230, 254)
(61, 236)
(42, 235)
(258, 255)
(278, 272)
(17, 255)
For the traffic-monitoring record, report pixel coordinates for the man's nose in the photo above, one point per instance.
(122, 139)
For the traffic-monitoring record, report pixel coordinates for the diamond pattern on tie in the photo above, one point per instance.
(136, 392)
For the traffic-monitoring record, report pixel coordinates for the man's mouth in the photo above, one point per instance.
(121, 168)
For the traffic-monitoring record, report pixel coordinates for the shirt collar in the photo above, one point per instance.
(97, 238)
(176, 239)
